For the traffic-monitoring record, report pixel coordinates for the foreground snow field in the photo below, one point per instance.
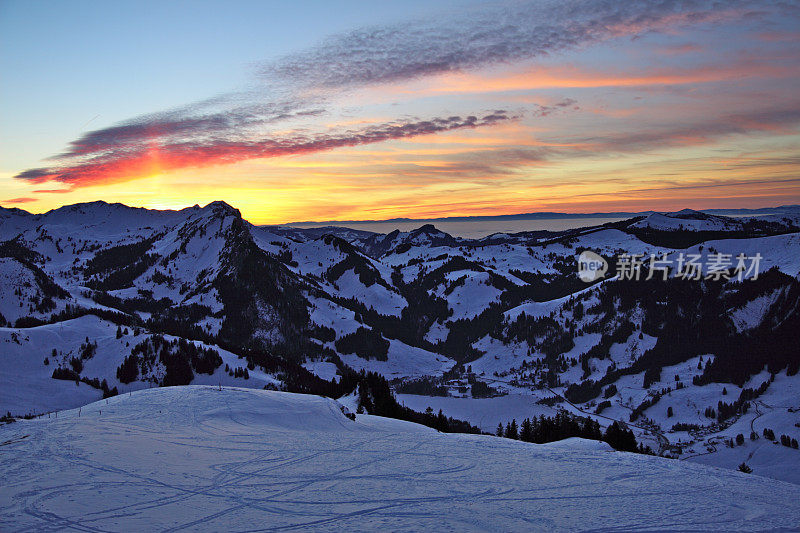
(200, 458)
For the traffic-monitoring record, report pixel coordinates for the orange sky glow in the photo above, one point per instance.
(668, 115)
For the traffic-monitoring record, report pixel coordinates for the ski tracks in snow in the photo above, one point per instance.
(270, 462)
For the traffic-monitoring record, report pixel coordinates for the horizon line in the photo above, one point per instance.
(543, 215)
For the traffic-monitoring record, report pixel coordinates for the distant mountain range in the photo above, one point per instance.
(547, 215)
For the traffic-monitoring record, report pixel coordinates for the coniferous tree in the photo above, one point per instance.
(129, 369)
(620, 438)
(526, 432)
(511, 430)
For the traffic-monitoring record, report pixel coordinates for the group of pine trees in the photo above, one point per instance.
(375, 397)
(180, 358)
(68, 374)
(786, 440)
(237, 372)
(565, 425)
(424, 386)
(365, 343)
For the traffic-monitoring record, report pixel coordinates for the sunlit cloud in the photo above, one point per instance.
(150, 159)
(781, 120)
(570, 77)
(21, 200)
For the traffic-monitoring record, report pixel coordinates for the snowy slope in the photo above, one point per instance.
(402, 361)
(27, 363)
(688, 220)
(202, 459)
(779, 251)
(99, 219)
(23, 295)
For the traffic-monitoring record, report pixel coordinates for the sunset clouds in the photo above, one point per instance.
(141, 156)
(507, 32)
(526, 102)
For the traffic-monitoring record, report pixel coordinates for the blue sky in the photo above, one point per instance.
(71, 65)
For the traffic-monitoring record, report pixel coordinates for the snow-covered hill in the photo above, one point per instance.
(205, 459)
(688, 219)
(30, 355)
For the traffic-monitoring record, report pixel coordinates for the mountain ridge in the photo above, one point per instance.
(513, 216)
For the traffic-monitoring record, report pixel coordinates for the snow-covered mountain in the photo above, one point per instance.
(689, 220)
(102, 299)
(211, 459)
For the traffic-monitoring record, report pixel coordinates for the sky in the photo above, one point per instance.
(355, 110)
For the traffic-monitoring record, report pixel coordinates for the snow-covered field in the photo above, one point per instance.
(484, 413)
(200, 458)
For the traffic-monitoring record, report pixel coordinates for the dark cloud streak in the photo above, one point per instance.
(140, 161)
(479, 38)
